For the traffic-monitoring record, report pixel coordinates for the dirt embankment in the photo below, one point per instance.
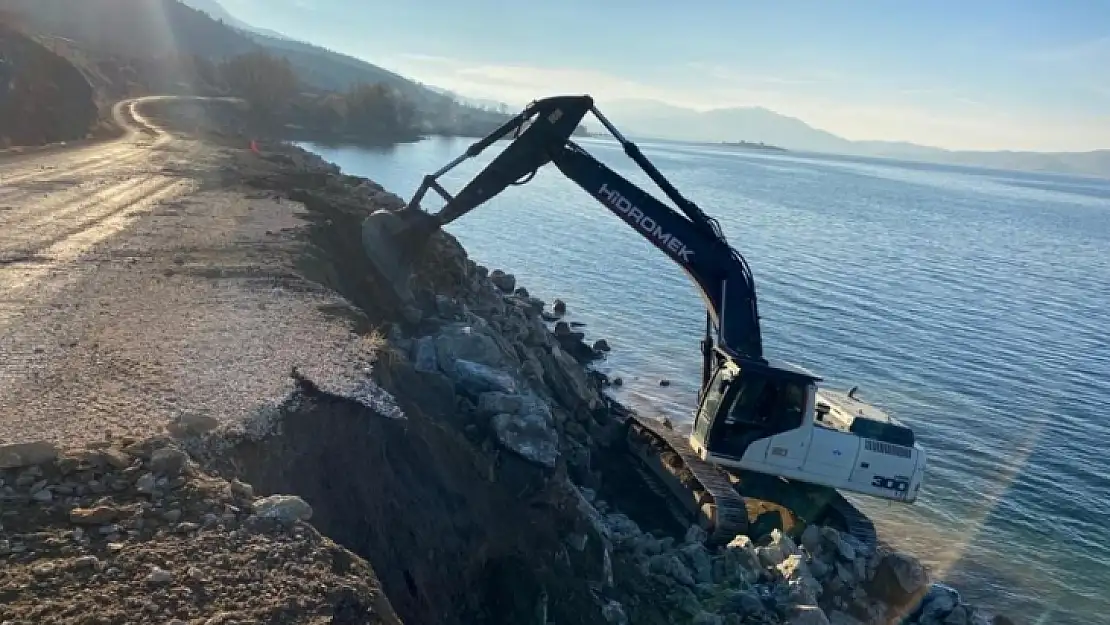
(43, 97)
(476, 477)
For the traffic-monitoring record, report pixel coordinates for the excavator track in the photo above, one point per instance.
(714, 498)
(853, 521)
(704, 490)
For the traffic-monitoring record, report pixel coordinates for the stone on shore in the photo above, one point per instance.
(283, 508)
(17, 455)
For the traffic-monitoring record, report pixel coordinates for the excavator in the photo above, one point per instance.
(762, 429)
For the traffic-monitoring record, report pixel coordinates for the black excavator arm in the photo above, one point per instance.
(690, 237)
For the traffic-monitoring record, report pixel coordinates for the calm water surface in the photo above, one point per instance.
(970, 303)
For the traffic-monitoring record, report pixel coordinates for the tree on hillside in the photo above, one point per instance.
(376, 110)
(205, 71)
(266, 82)
(331, 113)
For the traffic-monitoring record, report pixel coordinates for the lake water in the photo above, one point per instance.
(970, 303)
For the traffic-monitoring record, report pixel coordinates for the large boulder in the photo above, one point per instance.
(780, 547)
(17, 455)
(473, 341)
(424, 356)
(671, 566)
(696, 558)
(523, 423)
(738, 562)
(538, 335)
(574, 343)
(284, 508)
(567, 380)
(529, 435)
(504, 281)
(801, 586)
(475, 378)
(899, 580)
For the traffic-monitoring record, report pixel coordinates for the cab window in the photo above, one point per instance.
(769, 403)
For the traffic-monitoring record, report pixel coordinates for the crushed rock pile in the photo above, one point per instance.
(133, 532)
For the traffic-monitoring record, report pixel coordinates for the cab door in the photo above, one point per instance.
(789, 447)
(711, 402)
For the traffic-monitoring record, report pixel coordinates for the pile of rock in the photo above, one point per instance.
(942, 605)
(132, 531)
(829, 577)
(527, 385)
(513, 376)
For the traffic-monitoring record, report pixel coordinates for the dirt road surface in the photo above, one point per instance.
(135, 287)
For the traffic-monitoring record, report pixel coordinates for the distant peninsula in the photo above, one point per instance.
(747, 145)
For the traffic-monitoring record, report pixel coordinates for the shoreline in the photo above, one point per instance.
(485, 438)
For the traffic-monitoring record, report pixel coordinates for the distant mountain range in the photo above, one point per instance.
(651, 119)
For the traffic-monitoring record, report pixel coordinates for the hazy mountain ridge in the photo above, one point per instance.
(216, 10)
(320, 66)
(327, 69)
(122, 33)
(652, 119)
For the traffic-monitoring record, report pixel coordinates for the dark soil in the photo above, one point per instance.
(220, 563)
(43, 97)
(450, 542)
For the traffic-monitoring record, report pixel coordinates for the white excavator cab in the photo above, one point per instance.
(776, 420)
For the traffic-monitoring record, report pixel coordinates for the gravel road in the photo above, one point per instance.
(135, 286)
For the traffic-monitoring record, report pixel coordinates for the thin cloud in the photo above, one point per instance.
(941, 94)
(1089, 50)
(725, 73)
(520, 83)
(927, 116)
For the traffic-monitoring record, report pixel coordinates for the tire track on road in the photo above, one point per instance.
(33, 171)
(45, 237)
(26, 230)
(118, 314)
(124, 207)
(83, 161)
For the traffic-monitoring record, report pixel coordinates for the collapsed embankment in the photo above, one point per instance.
(477, 479)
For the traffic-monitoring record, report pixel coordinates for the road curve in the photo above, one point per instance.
(133, 287)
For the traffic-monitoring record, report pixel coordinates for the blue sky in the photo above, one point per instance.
(976, 74)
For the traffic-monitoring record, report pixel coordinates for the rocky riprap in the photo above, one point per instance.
(133, 532)
(525, 385)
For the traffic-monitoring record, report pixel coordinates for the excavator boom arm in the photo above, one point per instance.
(689, 238)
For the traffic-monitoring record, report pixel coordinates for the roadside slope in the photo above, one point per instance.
(43, 97)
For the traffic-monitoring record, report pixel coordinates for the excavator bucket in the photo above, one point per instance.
(392, 242)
